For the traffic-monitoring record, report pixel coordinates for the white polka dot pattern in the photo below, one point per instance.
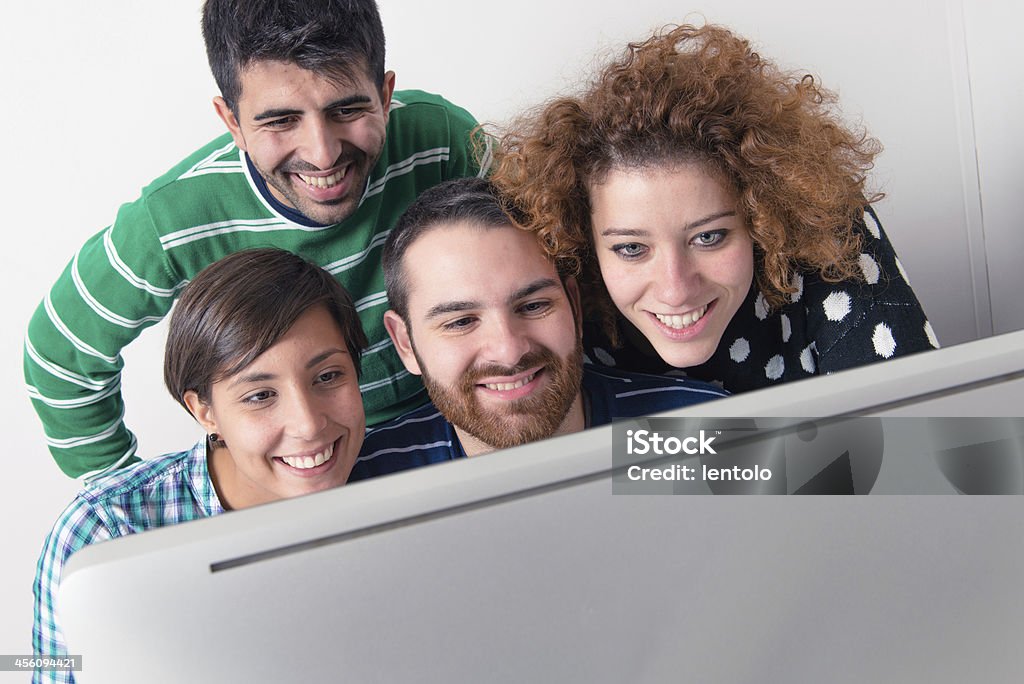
(869, 267)
(885, 345)
(819, 328)
(837, 305)
(872, 225)
(739, 351)
(807, 359)
(760, 307)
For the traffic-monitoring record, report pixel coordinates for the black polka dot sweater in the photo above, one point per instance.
(826, 327)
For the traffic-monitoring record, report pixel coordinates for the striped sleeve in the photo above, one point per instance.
(115, 286)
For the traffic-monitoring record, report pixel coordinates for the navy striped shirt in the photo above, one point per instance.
(423, 436)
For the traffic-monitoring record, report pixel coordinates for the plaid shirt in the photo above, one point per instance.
(168, 490)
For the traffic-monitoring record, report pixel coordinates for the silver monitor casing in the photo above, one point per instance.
(522, 566)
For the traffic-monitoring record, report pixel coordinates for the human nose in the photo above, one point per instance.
(306, 417)
(677, 278)
(321, 145)
(506, 342)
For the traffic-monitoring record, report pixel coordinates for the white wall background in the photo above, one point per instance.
(995, 58)
(102, 97)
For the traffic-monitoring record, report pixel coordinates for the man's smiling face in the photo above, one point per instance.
(314, 139)
(492, 331)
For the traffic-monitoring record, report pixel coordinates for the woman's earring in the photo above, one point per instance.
(215, 440)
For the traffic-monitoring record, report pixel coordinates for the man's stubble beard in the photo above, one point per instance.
(526, 420)
(324, 213)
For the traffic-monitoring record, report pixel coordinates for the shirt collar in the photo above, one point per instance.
(279, 206)
(200, 482)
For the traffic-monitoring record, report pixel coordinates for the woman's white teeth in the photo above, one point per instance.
(323, 181)
(303, 462)
(685, 320)
(506, 386)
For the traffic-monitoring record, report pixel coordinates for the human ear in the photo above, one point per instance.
(230, 120)
(399, 333)
(201, 411)
(387, 89)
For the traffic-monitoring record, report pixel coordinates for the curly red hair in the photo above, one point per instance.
(697, 95)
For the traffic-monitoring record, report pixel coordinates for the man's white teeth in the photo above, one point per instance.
(303, 462)
(506, 386)
(323, 181)
(684, 321)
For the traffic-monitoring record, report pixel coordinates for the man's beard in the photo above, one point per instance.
(521, 421)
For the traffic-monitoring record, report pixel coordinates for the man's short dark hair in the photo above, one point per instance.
(461, 199)
(328, 37)
(238, 307)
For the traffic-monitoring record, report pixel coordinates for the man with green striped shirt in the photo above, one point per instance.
(321, 158)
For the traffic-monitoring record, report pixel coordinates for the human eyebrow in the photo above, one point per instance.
(250, 378)
(639, 232)
(348, 102)
(624, 232)
(275, 114)
(445, 308)
(323, 356)
(708, 219)
(258, 376)
(340, 103)
(532, 288)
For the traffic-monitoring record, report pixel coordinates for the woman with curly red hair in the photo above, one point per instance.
(715, 209)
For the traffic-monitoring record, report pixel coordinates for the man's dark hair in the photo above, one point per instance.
(237, 308)
(328, 37)
(461, 199)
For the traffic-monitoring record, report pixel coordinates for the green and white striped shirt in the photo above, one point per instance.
(126, 277)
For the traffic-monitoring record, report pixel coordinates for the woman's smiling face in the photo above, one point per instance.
(675, 255)
(292, 420)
